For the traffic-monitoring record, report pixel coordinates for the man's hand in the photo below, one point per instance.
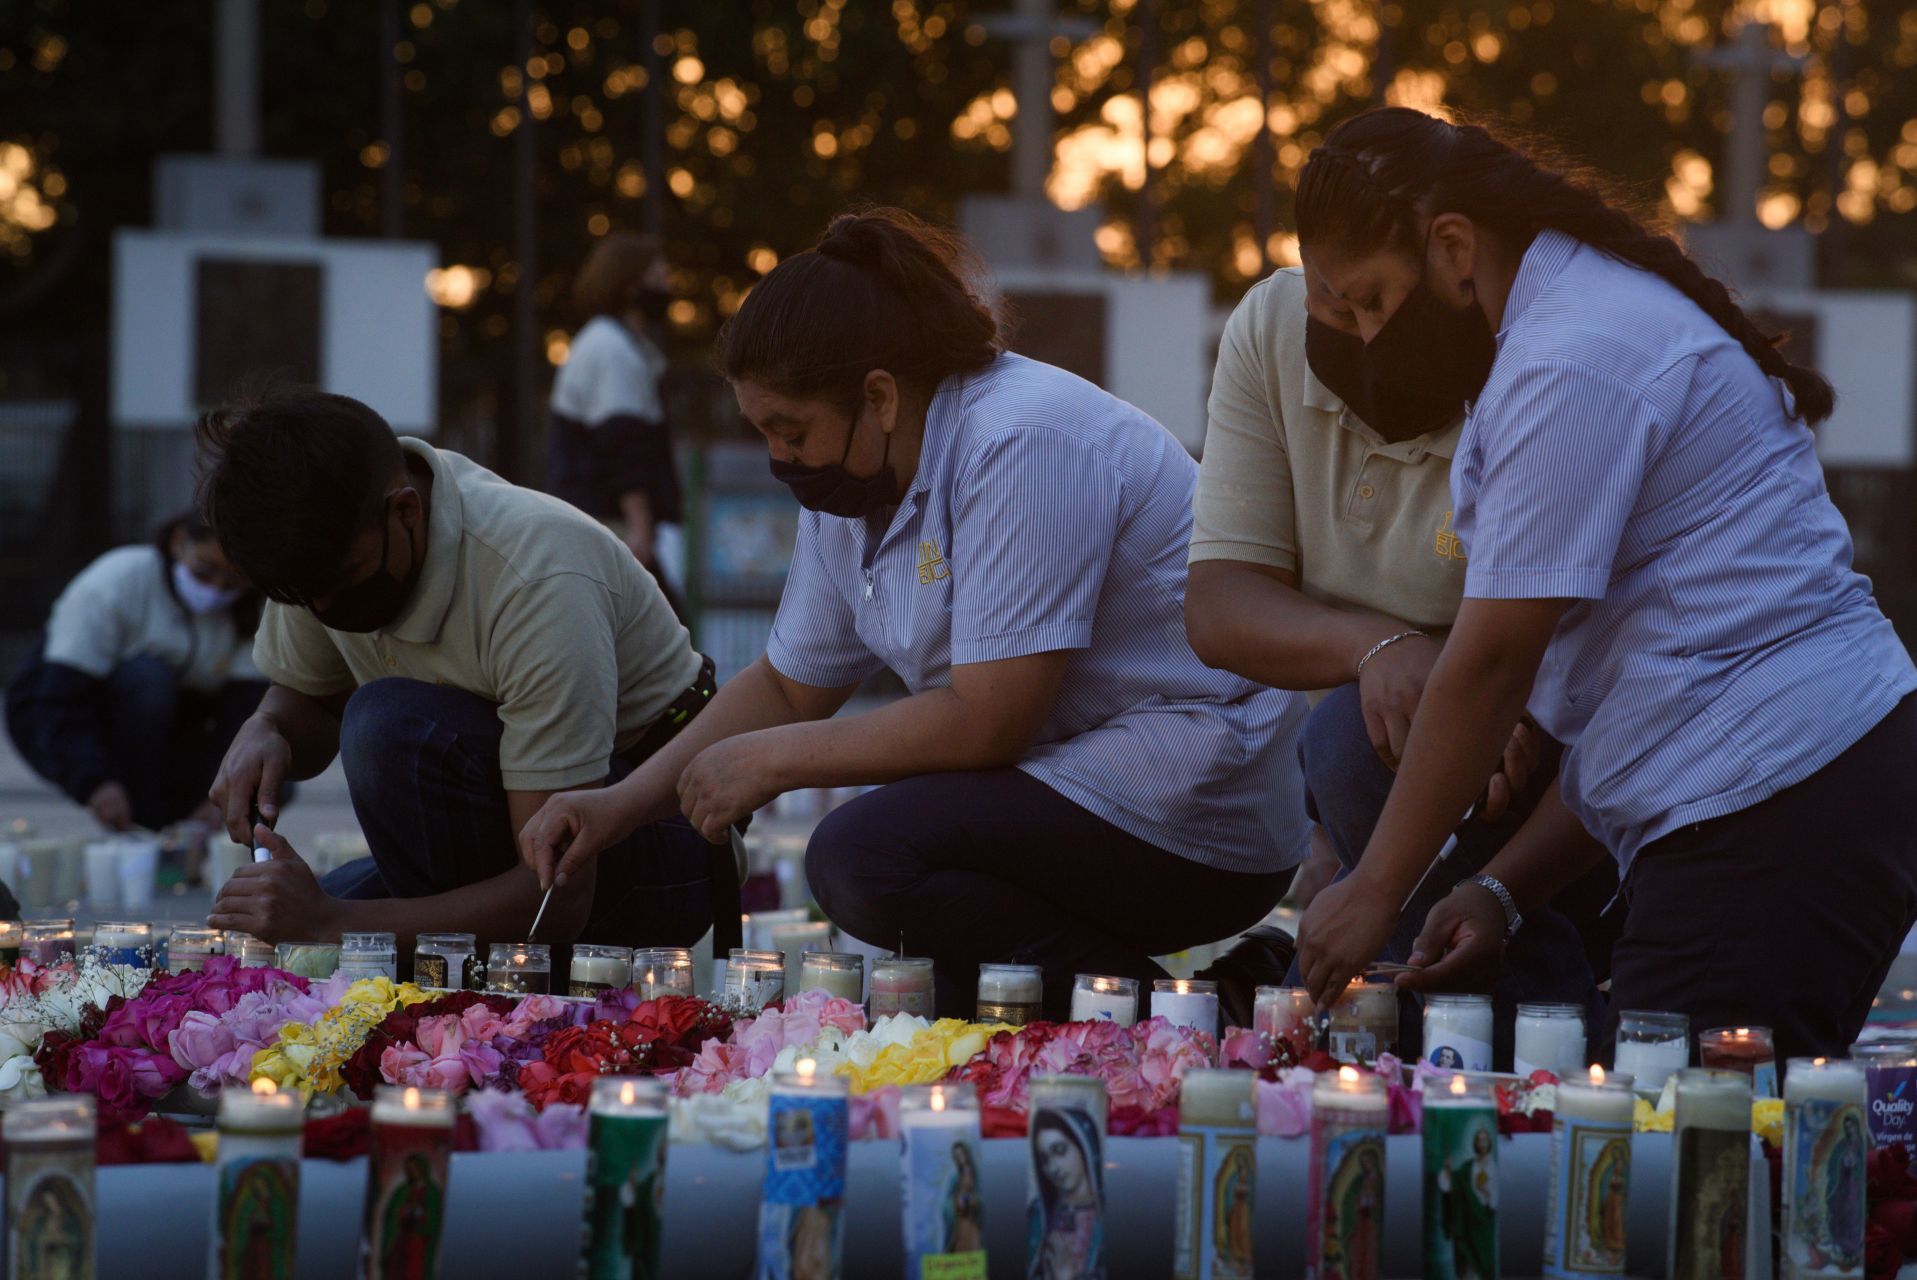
(112, 808)
(728, 781)
(1514, 770)
(1461, 947)
(1389, 689)
(1342, 932)
(251, 776)
(277, 901)
(570, 828)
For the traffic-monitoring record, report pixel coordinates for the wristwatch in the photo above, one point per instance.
(1511, 917)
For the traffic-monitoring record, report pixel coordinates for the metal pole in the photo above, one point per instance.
(1264, 181)
(392, 186)
(652, 118)
(236, 121)
(517, 428)
(1146, 215)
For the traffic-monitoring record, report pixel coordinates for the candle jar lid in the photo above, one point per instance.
(455, 942)
(1459, 1088)
(957, 1096)
(628, 1096)
(1546, 1009)
(1185, 986)
(600, 951)
(67, 1117)
(747, 958)
(406, 1105)
(1652, 1024)
(519, 955)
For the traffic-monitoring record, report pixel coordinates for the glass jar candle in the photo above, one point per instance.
(837, 973)
(127, 943)
(369, 955)
(1585, 1217)
(10, 934)
(1826, 1143)
(257, 1182)
(902, 984)
(802, 1199)
(1096, 998)
(47, 942)
(519, 968)
(248, 951)
(1651, 1045)
(663, 971)
(440, 960)
(754, 979)
(1187, 1002)
(625, 1178)
(1745, 1049)
(188, 948)
(1289, 1018)
(1218, 1129)
(1710, 1174)
(1364, 1022)
(407, 1165)
(1890, 1084)
(941, 1180)
(597, 968)
(50, 1205)
(1349, 1115)
(1013, 994)
(1550, 1037)
(317, 960)
(1065, 1188)
(1460, 1142)
(1457, 1032)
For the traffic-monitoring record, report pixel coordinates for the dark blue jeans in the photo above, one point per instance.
(1346, 785)
(422, 766)
(168, 741)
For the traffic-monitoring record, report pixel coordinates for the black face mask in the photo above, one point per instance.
(1417, 371)
(653, 304)
(374, 601)
(832, 490)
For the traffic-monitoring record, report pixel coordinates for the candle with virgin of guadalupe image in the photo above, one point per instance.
(1065, 1199)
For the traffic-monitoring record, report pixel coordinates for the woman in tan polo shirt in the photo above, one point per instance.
(1322, 559)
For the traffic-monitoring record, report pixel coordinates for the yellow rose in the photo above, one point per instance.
(1767, 1120)
(206, 1144)
(966, 1042)
(1650, 1120)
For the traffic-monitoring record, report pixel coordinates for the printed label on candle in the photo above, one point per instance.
(753, 990)
(1590, 1186)
(429, 970)
(1455, 1052)
(1764, 1080)
(1893, 1099)
(1460, 1192)
(1014, 1015)
(625, 1184)
(257, 1214)
(50, 1210)
(1824, 1151)
(405, 1202)
(1346, 1210)
(916, 1002)
(1065, 1197)
(944, 1206)
(1711, 1202)
(133, 957)
(586, 990)
(801, 1212)
(1217, 1179)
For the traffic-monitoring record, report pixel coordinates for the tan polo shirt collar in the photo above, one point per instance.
(446, 526)
(1443, 442)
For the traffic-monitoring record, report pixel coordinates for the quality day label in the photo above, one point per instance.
(625, 1185)
(801, 1210)
(1825, 1146)
(1217, 1184)
(1711, 1198)
(1892, 1113)
(50, 1211)
(256, 1217)
(1454, 1052)
(1584, 1234)
(1460, 1192)
(1346, 1208)
(944, 1206)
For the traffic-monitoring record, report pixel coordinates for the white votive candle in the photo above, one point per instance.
(1349, 1115)
(1096, 998)
(1826, 1141)
(1010, 993)
(1710, 1173)
(1364, 1022)
(1186, 1002)
(1457, 1032)
(1217, 1174)
(1651, 1045)
(1549, 1037)
(902, 984)
(596, 968)
(837, 973)
(256, 1208)
(662, 971)
(1586, 1217)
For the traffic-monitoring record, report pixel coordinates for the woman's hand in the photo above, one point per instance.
(1343, 931)
(1461, 947)
(729, 780)
(569, 828)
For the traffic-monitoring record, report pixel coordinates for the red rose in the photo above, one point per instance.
(152, 1141)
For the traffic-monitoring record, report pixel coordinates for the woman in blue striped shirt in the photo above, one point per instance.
(1067, 784)
(1656, 567)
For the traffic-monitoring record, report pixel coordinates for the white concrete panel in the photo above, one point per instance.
(1866, 346)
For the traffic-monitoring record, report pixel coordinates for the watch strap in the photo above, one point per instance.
(1496, 887)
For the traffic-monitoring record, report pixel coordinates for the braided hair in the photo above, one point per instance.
(1380, 174)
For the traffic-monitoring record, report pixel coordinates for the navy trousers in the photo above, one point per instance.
(422, 766)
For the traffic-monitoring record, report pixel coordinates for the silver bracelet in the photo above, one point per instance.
(1386, 643)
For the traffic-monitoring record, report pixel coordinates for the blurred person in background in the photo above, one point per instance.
(610, 451)
(144, 675)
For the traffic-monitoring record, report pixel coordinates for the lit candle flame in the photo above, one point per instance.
(1597, 1074)
(1347, 1075)
(410, 1099)
(1742, 1033)
(938, 1098)
(628, 1093)
(1458, 1086)
(1183, 988)
(806, 1068)
(1818, 1062)
(263, 1087)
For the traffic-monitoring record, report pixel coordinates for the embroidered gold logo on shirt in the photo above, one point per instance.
(1448, 547)
(932, 566)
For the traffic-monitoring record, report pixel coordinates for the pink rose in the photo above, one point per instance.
(507, 1122)
(145, 1022)
(1284, 1106)
(124, 1079)
(717, 1066)
(875, 1114)
(199, 1041)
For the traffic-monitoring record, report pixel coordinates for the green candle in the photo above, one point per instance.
(625, 1179)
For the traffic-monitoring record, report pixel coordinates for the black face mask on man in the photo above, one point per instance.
(376, 600)
(832, 490)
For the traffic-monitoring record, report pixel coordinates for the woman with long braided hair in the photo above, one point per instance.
(1654, 567)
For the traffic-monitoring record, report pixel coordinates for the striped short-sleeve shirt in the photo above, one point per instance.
(1627, 453)
(1047, 515)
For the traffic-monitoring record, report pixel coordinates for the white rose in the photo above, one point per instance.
(20, 1038)
(20, 1078)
